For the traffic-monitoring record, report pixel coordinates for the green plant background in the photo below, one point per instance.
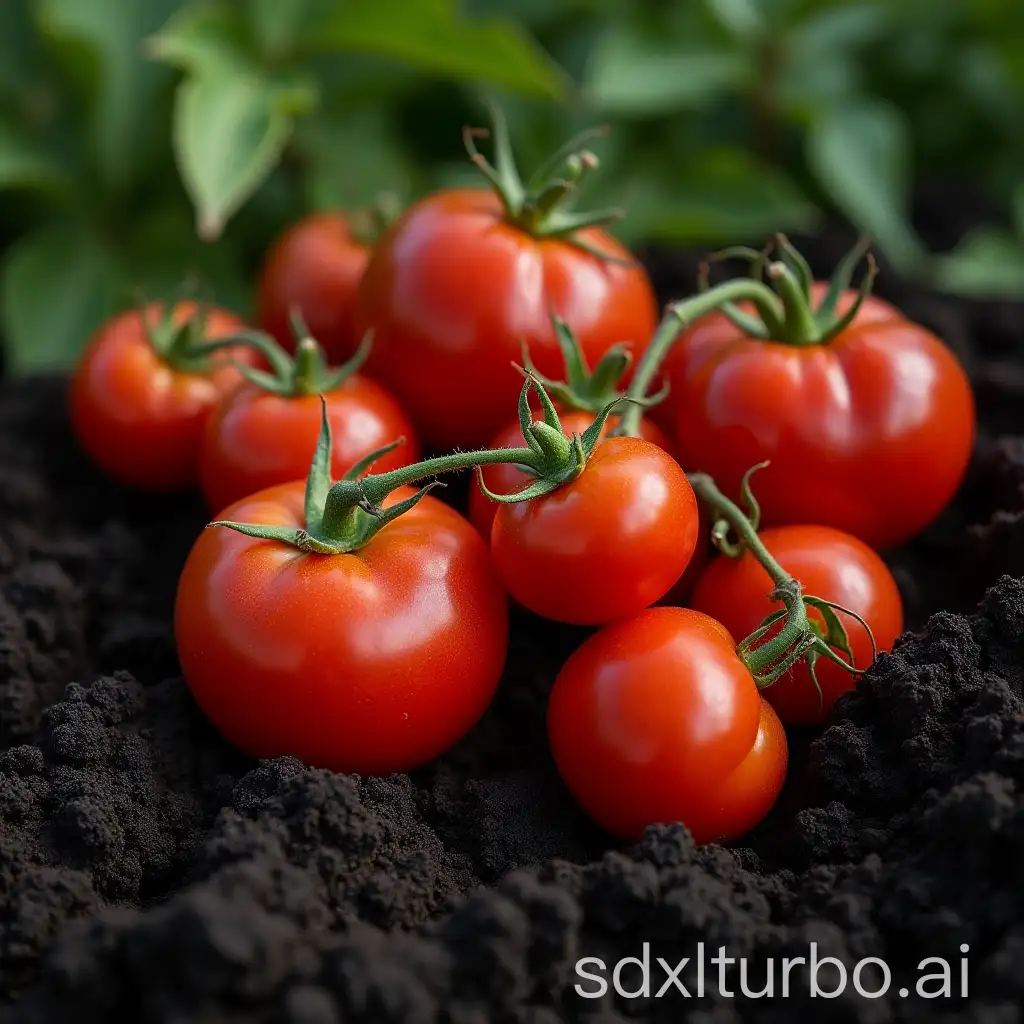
(145, 140)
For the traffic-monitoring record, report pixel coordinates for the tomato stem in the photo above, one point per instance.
(799, 637)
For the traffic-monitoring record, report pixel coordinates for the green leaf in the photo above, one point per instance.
(24, 164)
(204, 37)
(838, 28)
(743, 18)
(57, 285)
(229, 131)
(122, 87)
(859, 154)
(631, 75)
(434, 38)
(986, 264)
(277, 24)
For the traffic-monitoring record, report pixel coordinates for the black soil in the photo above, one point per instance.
(149, 873)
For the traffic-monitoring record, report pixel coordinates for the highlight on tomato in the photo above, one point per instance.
(607, 537)
(314, 269)
(656, 719)
(456, 286)
(145, 387)
(866, 418)
(266, 431)
(359, 625)
(735, 590)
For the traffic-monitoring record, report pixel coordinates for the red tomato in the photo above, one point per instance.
(655, 719)
(831, 565)
(256, 439)
(140, 419)
(452, 291)
(870, 432)
(703, 550)
(506, 479)
(604, 546)
(370, 662)
(315, 266)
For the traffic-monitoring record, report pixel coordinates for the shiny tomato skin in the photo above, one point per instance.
(255, 439)
(372, 662)
(140, 420)
(315, 265)
(655, 719)
(870, 433)
(830, 564)
(452, 291)
(606, 545)
(506, 479)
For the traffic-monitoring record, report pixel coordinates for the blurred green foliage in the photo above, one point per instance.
(145, 140)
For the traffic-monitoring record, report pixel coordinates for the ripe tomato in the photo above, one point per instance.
(255, 439)
(370, 662)
(655, 719)
(503, 478)
(453, 290)
(829, 564)
(315, 267)
(138, 415)
(607, 544)
(870, 432)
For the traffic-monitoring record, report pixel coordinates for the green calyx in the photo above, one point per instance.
(182, 346)
(307, 373)
(791, 316)
(344, 516)
(542, 206)
(583, 388)
(800, 636)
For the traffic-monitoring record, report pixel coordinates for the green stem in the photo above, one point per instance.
(678, 316)
(308, 369)
(801, 327)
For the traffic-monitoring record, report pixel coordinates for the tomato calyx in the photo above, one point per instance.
(344, 516)
(541, 205)
(368, 224)
(793, 318)
(182, 346)
(307, 373)
(800, 637)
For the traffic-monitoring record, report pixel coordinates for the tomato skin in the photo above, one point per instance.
(256, 439)
(503, 478)
(372, 662)
(315, 265)
(139, 419)
(452, 291)
(870, 433)
(830, 564)
(655, 719)
(604, 546)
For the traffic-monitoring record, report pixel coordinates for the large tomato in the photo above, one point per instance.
(255, 438)
(605, 545)
(140, 399)
(829, 564)
(655, 719)
(453, 290)
(370, 662)
(869, 432)
(504, 478)
(314, 268)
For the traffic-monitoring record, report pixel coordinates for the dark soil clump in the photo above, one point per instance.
(149, 872)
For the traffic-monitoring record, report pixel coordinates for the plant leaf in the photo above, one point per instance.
(57, 285)
(433, 37)
(276, 25)
(632, 75)
(204, 37)
(859, 154)
(229, 132)
(986, 264)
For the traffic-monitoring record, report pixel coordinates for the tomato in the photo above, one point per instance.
(830, 565)
(256, 439)
(605, 545)
(371, 662)
(655, 719)
(139, 415)
(503, 478)
(454, 289)
(702, 552)
(869, 432)
(315, 267)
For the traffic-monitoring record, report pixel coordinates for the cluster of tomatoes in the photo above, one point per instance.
(337, 611)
